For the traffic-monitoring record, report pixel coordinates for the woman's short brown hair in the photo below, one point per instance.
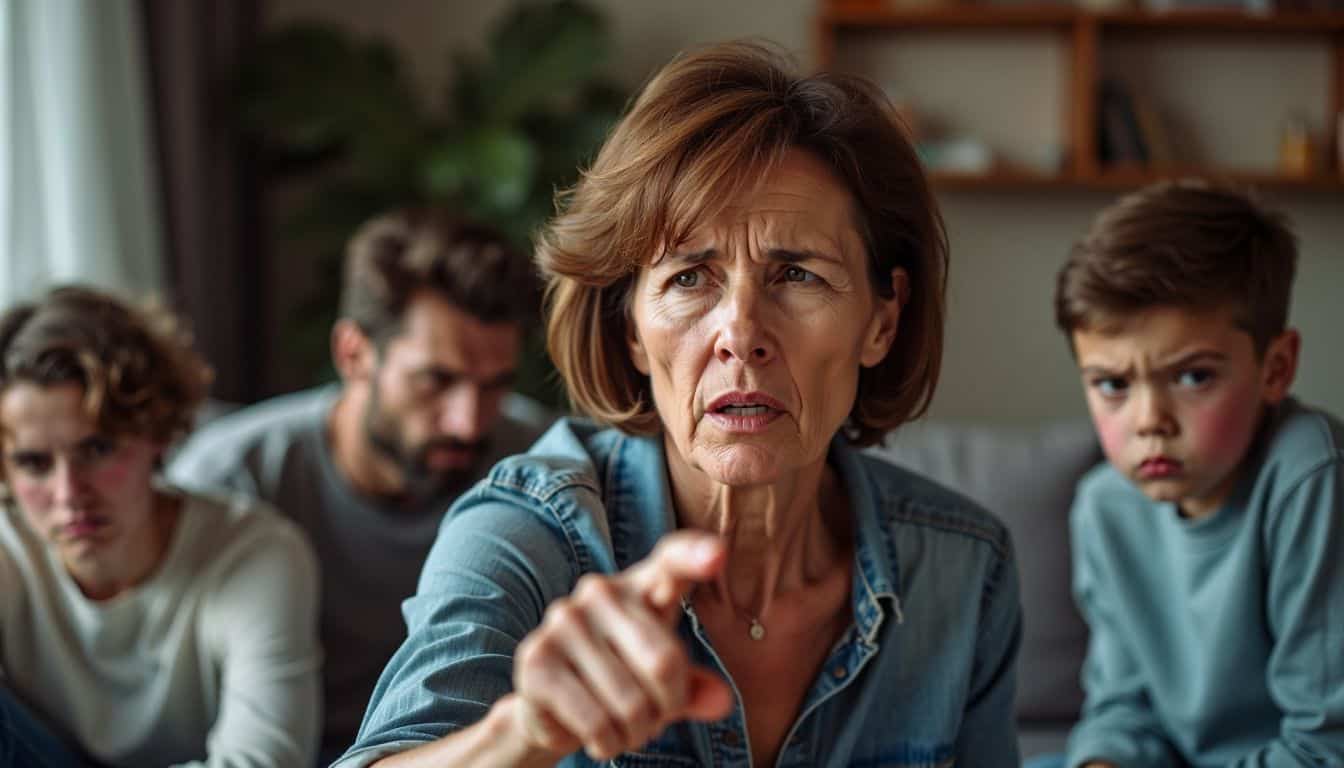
(705, 130)
(138, 370)
(1187, 244)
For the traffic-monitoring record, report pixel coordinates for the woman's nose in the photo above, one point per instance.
(745, 334)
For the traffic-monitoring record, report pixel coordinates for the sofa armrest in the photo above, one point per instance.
(1026, 477)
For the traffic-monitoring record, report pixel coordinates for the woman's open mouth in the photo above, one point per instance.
(744, 412)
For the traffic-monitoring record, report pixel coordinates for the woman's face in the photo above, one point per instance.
(752, 332)
(86, 494)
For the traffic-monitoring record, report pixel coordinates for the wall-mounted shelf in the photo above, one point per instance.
(1084, 35)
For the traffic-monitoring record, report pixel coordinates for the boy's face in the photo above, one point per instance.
(1176, 396)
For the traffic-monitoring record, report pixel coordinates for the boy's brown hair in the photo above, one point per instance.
(137, 368)
(1186, 244)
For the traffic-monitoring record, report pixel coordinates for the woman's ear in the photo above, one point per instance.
(1280, 365)
(638, 354)
(881, 332)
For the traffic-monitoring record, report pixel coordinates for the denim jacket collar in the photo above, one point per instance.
(637, 494)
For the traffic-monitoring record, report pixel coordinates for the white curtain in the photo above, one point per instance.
(78, 189)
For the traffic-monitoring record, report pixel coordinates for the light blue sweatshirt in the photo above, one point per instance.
(1218, 642)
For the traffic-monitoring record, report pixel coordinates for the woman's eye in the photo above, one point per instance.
(798, 275)
(1194, 378)
(688, 279)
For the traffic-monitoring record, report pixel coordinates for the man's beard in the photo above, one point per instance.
(421, 481)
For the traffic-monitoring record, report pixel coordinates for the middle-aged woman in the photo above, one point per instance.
(747, 283)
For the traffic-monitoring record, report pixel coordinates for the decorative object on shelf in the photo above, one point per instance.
(1120, 140)
(1086, 37)
(1261, 7)
(1131, 131)
(1105, 6)
(1297, 151)
(964, 155)
(1153, 127)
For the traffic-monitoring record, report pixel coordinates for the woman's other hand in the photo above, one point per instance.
(606, 670)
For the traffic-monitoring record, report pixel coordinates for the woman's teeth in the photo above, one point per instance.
(744, 410)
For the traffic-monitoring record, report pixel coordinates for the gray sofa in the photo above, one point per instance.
(1026, 476)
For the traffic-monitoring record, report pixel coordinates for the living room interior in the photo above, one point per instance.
(1008, 423)
(1005, 363)
(1006, 99)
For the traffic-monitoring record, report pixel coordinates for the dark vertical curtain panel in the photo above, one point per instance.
(210, 183)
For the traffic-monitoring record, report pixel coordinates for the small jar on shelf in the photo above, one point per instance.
(1297, 151)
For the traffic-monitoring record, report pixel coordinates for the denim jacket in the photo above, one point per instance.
(923, 676)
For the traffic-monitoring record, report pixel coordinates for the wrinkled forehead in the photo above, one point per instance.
(794, 202)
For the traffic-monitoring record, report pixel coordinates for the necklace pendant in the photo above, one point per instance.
(756, 631)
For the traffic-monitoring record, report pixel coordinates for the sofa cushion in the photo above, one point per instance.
(1025, 476)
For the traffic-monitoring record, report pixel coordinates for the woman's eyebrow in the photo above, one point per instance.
(796, 255)
(686, 257)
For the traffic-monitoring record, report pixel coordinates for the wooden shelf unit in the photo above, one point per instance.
(1083, 32)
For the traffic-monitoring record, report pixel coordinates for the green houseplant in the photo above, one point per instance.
(339, 116)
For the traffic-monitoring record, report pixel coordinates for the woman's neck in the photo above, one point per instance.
(781, 536)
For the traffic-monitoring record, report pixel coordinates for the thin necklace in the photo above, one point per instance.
(756, 630)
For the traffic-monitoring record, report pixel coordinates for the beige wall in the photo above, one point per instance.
(1005, 362)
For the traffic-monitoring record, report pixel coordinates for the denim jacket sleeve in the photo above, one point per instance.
(494, 567)
(988, 733)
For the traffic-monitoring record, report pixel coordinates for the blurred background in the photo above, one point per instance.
(219, 152)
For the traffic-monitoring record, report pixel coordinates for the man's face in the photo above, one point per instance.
(436, 391)
(1176, 397)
